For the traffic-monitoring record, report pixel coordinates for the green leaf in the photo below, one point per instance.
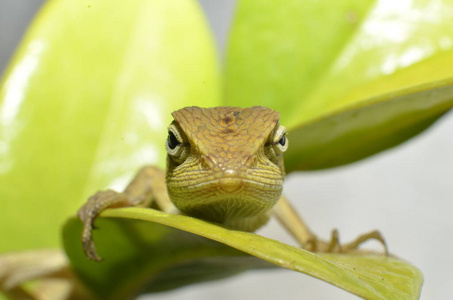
(318, 63)
(153, 258)
(86, 102)
(372, 126)
(152, 253)
(277, 53)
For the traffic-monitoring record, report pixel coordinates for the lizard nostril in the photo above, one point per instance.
(207, 162)
(251, 161)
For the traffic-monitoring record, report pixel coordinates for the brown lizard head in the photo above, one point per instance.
(225, 164)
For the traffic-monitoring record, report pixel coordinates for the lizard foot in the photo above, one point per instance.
(334, 245)
(89, 212)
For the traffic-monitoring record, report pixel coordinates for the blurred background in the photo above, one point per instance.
(405, 192)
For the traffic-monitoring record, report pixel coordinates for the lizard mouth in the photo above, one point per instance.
(229, 184)
(232, 184)
(224, 199)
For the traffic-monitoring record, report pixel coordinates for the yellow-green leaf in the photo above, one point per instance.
(153, 258)
(368, 276)
(318, 61)
(86, 102)
(278, 53)
(367, 128)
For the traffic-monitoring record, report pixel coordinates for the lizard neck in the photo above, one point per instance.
(245, 209)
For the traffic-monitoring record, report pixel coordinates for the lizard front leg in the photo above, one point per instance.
(147, 187)
(295, 225)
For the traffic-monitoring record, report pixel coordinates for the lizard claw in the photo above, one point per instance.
(89, 212)
(334, 246)
(373, 235)
(87, 237)
(90, 249)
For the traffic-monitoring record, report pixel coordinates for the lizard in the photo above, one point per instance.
(224, 165)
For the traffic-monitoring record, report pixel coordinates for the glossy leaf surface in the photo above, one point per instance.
(315, 60)
(369, 127)
(86, 102)
(163, 253)
(154, 258)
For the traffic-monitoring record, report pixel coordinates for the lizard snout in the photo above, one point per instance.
(230, 184)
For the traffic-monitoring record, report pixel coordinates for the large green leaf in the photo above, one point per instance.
(156, 257)
(277, 53)
(369, 127)
(86, 102)
(318, 61)
(153, 258)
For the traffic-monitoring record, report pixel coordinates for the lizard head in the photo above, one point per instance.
(225, 164)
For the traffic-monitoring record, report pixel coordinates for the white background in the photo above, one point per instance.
(405, 192)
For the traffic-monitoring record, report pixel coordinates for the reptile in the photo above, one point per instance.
(224, 165)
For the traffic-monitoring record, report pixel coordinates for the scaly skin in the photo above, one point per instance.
(232, 170)
(225, 165)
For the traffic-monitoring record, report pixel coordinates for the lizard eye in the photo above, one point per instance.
(177, 145)
(172, 141)
(280, 140)
(276, 145)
